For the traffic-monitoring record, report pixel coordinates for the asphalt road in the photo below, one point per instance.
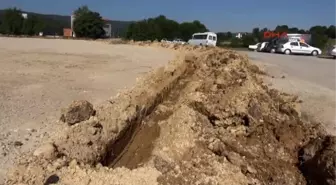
(311, 78)
(308, 68)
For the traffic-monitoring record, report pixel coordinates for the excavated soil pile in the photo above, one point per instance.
(204, 119)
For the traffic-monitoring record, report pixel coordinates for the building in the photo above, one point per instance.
(24, 15)
(107, 28)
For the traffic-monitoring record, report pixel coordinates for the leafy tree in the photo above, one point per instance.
(331, 32)
(256, 32)
(12, 21)
(248, 40)
(81, 10)
(293, 30)
(235, 42)
(89, 24)
(281, 28)
(32, 25)
(302, 31)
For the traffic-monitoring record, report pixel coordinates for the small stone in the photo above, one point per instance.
(18, 143)
(47, 151)
(251, 170)
(114, 128)
(283, 77)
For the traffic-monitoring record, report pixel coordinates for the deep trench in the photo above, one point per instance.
(136, 144)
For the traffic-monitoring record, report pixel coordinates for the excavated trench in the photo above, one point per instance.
(205, 120)
(135, 147)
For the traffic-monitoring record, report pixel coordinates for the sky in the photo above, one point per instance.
(217, 15)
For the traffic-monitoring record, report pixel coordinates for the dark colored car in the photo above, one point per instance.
(271, 46)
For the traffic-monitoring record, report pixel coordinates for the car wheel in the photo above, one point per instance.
(273, 50)
(287, 52)
(314, 53)
(201, 44)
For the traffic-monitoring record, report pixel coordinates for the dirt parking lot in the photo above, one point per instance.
(39, 76)
(311, 78)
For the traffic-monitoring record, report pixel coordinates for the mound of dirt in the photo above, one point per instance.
(206, 118)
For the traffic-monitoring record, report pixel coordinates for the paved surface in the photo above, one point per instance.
(38, 77)
(313, 79)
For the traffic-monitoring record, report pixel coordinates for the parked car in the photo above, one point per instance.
(299, 48)
(179, 41)
(254, 47)
(262, 46)
(203, 39)
(332, 51)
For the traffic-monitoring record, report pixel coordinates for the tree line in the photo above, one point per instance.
(14, 23)
(162, 28)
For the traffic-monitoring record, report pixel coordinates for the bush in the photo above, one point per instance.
(236, 43)
(248, 40)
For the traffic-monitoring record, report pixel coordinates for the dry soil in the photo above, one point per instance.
(40, 76)
(207, 118)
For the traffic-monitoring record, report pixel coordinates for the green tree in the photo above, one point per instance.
(281, 28)
(256, 32)
(293, 30)
(331, 32)
(81, 10)
(32, 25)
(12, 22)
(236, 42)
(89, 24)
(189, 28)
(248, 40)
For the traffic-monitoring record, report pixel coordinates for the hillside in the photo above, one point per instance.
(56, 23)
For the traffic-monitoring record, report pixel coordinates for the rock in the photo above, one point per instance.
(18, 143)
(318, 161)
(47, 151)
(77, 111)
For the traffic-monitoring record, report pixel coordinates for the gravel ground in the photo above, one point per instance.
(40, 76)
(313, 79)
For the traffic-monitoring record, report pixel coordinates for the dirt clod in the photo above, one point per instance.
(47, 151)
(77, 111)
(18, 143)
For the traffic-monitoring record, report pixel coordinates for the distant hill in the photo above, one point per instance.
(56, 23)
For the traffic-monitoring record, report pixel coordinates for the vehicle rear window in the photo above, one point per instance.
(294, 44)
(203, 36)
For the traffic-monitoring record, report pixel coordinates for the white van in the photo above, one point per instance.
(203, 39)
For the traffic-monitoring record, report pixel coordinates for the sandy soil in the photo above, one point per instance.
(40, 76)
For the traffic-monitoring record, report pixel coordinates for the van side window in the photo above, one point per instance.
(201, 36)
(294, 44)
(210, 37)
(214, 38)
